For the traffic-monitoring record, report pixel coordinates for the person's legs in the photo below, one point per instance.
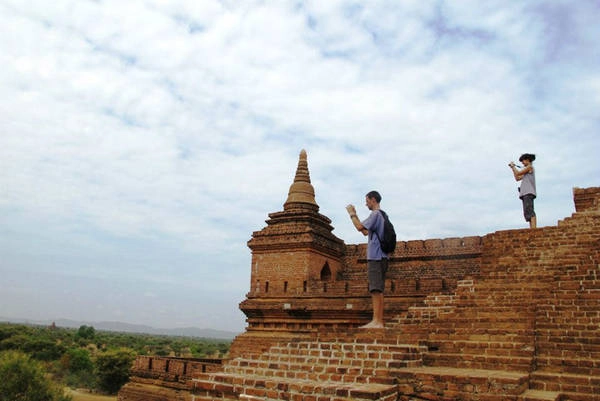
(376, 274)
(377, 298)
(528, 211)
(533, 222)
(377, 320)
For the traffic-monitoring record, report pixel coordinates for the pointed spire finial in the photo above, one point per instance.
(301, 191)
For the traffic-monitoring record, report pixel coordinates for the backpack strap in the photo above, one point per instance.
(384, 215)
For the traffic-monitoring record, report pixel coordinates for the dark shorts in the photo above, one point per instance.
(528, 211)
(376, 270)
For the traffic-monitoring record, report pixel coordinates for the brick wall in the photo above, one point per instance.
(586, 199)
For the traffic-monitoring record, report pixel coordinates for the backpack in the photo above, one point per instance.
(388, 242)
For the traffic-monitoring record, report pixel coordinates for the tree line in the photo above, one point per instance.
(36, 362)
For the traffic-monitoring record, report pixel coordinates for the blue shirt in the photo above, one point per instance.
(374, 223)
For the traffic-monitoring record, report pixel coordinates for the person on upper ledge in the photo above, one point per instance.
(377, 260)
(527, 190)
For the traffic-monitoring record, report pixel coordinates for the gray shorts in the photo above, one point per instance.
(528, 211)
(376, 270)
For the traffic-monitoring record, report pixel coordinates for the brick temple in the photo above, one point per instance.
(512, 315)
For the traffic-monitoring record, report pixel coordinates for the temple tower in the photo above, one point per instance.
(296, 254)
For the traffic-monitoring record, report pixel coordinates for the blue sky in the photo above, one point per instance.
(143, 141)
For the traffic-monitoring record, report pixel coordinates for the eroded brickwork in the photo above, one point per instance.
(513, 315)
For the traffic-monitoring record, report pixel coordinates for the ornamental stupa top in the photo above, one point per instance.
(301, 194)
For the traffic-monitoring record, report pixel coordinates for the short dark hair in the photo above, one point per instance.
(374, 195)
(527, 156)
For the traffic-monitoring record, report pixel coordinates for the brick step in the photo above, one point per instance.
(359, 358)
(420, 312)
(471, 313)
(577, 321)
(500, 289)
(577, 362)
(246, 387)
(487, 318)
(579, 310)
(328, 360)
(478, 361)
(588, 341)
(443, 298)
(574, 366)
(582, 283)
(485, 347)
(462, 318)
(573, 349)
(448, 383)
(569, 340)
(493, 298)
(517, 285)
(579, 397)
(340, 345)
(567, 309)
(220, 397)
(338, 354)
(502, 272)
(572, 386)
(487, 302)
(483, 333)
(353, 372)
(512, 307)
(539, 395)
(336, 358)
(516, 309)
(351, 336)
(566, 305)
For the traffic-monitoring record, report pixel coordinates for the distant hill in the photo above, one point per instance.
(132, 328)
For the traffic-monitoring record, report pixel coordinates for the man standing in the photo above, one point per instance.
(377, 260)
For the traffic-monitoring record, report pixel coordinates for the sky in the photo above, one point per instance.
(143, 141)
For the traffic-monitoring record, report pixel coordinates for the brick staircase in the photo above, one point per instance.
(526, 330)
(568, 320)
(480, 344)
(568, 326)
(334, 366)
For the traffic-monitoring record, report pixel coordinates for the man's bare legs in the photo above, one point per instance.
(377, 321)
(533, 222)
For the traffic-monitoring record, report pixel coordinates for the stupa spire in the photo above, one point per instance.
(301, 193)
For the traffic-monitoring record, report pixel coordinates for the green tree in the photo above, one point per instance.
(24, 379)
(87, 332)
(41, 348)
(112, 369)
(76, 359)
(78, 367)
(9, 330)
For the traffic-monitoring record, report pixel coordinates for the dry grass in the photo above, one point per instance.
(84, 396)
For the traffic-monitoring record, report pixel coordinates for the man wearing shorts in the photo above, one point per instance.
(377, 260)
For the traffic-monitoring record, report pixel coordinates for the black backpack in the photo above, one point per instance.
(388, 242)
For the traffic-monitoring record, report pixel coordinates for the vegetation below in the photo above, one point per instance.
(85, 358)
